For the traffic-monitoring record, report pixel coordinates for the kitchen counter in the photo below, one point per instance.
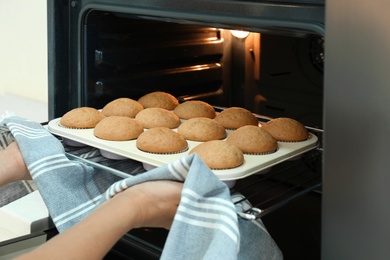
(24, 107)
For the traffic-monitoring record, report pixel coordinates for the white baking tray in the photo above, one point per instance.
(253, 163)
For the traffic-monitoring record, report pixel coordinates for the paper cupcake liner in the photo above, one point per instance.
(227, 168)
(264, 153)
(295, 141)
(203, 141)
(67, 127)
(181, 151)
(121, 140)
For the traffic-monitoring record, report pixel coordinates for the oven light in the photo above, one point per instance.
(239, 34)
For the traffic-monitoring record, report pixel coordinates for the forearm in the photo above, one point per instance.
(93, 237)
(12, 167)
(149, 204)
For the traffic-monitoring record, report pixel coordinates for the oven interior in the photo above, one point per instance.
(272, 74)
(124, 55)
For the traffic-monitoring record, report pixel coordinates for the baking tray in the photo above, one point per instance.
(253, 164)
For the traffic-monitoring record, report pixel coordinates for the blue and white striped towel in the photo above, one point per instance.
(17, 189)
(206, 225)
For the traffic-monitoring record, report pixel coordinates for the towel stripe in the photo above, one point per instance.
(210, 225)
(210, 217)
(47, 161)
(28, 132)
(205, 212)
(179, 169)
(117, 187)
(29, 135)
(184, 163)
(81, 208)
(196, 196)
(175, 172)
(218, 211)
(207, 204)
(47, 158)
(16, 126)
(50, 169)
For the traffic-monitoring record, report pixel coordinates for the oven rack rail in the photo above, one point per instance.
(289, 182)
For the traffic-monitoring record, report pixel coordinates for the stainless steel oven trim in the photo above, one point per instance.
(252, 16)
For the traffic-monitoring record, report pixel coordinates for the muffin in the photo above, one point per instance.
(161, 140)
(253, 140)
(81, 117)
(235, 117)
(286, 129)
(118, 128)
(159, 99)
(154, 116)
(218, 154)
(202, 129)
(194, 108)
(122, 107)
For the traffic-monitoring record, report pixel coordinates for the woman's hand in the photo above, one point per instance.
(155, 201)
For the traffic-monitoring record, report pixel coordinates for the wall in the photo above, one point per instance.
(23, 52)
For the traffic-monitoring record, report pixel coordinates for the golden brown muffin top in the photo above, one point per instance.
(253, 140)
(286, 129)
(218, 154)
(118, 128)
(81, 117)
(235, 117)
(122, 107)
(155, 116)
(202, 129)
(194, 108)
(161, 140)
(159, 99)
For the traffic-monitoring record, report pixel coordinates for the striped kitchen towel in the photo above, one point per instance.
(205, 226)
(70, 189)
(14, 190)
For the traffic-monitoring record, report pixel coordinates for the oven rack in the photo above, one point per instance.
(266, 192)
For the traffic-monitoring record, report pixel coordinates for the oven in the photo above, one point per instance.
(266, 56)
